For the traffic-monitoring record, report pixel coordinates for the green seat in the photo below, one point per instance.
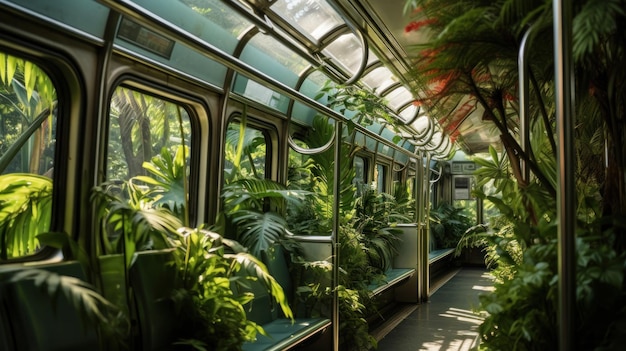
(393, 277)
(39, 322)
(151, 280)
(283, 333)
(436, 255)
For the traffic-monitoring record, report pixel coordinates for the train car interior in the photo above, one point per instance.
(311, 174)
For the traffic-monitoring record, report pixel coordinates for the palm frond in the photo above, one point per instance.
(92, 306)
(255, 268)
(258, 231)
(25, 210)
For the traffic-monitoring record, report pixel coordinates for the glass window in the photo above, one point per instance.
(399, 97)
(311, 173)
(142, 127)
(245, 152)
(379, 79)
(346, 51)
(146, 168)
(381, 178)
(360, 177)
(28, 120)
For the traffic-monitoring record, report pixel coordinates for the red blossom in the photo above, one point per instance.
(416, 25)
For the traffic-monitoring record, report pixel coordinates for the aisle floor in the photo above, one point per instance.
(448, 321)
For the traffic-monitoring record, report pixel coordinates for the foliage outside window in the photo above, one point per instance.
(381, 178)
(140, 126)
(360, 177)
(304, 173)
(245, 152)
(148, 153)
(28, 123)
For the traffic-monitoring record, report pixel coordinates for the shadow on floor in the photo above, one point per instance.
(447, 322)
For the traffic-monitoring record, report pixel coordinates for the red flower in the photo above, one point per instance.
(416, 25)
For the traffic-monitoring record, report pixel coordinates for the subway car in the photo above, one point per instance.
(304, 174)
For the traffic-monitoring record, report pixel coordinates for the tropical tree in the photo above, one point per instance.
(466, 65)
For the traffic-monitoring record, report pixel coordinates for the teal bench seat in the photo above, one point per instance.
(436, 255)
(393, 277)
(283, 333)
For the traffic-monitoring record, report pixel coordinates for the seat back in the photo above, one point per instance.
(275, 260)
(152, 282)
(41, 322)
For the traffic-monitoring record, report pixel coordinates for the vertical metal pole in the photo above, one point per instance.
(565, 159)
(335, 237)
(422, 229)
(426, 220)
(422, 292)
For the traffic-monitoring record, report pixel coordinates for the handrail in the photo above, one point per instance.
(316, 150)
(524, 117)
(142, 15)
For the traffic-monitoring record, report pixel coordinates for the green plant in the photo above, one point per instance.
(25, 210)
(458, 76)
(448, 225)
(252, 211)
(169, 180)
(209, 270)
(316, 214)
(523, 308)
(376, 217)
(131, 218)
(316, 294)
(93, 308)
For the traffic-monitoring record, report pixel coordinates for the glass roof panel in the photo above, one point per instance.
(310, 87)
(379, 79)
(211, 20)
(359, 138)
(399, 97)
(216, 11)
(385, 149)
(371, 57)
(346, 51)
(421, 124)
(409, 113)
(315, 18)
(272, 57)
(371, 144)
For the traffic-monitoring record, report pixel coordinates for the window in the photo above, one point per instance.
(246, 152)
(381, 178)
(360, 169)
(141, 127)
(463, 197)
(311, 168)
(147, 162)
(311, 173)
(28, 120)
